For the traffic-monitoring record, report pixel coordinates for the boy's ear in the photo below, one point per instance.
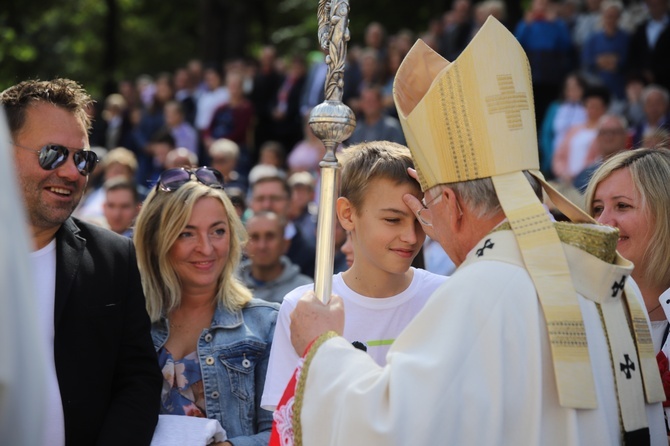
(345, 213)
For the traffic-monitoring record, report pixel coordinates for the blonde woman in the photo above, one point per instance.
(631, 191)
(213, 340)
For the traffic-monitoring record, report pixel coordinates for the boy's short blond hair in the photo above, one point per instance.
(362, 163)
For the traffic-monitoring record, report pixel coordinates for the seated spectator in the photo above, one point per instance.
(237, 197)
(268, 273)
(152, 119)
(560, 117)
(286, 117)
(157, 149)
(211, 337)
(272, 153)
(270, 192)
(233, 120)
(612, 138)
(308, 153)
(375, 39)
(224, 154)
(371, 74)
(266, 83)
(118, 162)
(211, 96)
(122, 204)
(184, 134)
(303, 210)
(571, 155)
(655, 101)
(393, 61)
(374, 125)
(185, 94)
(181, 157)
(116, 118)
(632, 108)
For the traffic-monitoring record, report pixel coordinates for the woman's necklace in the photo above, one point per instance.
(654, 309)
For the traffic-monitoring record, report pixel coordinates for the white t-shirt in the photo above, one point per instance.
(208, 102)
(44, 262)
(373, 321)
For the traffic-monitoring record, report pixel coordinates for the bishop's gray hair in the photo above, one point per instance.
(480, 197)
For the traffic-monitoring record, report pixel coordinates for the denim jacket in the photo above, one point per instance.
(233, 355)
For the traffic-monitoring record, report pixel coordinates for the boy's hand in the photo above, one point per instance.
(312, 318)
(415, 205)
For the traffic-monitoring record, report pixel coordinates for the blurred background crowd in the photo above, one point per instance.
(600, 68)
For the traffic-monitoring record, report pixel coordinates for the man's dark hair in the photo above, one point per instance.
(63, 93)
(163, 136)
(598, 91)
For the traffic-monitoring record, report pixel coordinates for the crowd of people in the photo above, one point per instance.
(590, 63)
(200, 306)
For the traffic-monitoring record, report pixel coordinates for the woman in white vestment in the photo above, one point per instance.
(631, 191)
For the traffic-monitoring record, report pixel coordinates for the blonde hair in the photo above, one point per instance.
(120, 155)
(163, 217)
(225, 148)
(364, 162)
(650, 171)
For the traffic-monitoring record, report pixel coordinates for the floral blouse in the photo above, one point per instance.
(182, 392)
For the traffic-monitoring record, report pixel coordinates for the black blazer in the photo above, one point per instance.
(106, 365)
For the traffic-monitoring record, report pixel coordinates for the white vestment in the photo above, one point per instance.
(473, 368)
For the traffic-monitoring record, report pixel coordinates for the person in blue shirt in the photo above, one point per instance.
(605, 53)
(546, 40)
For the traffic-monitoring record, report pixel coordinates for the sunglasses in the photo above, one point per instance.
(53, 156)
(172, 179)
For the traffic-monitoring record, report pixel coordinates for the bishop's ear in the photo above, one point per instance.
(454, 208)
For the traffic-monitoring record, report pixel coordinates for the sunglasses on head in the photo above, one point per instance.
(172, 179)
(53, 156)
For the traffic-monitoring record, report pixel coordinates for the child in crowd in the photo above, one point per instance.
(381, 291)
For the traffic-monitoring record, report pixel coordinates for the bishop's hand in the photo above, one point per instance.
(311, 318)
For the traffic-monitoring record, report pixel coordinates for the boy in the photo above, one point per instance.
(381, 292)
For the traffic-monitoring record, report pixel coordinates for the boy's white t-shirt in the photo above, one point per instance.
(375, 322)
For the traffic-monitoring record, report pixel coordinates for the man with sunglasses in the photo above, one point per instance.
(103, 377)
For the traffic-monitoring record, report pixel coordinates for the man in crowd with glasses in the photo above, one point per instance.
(103, 377)
(270, 191)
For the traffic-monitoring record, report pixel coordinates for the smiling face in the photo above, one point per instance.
(617, 203)
(201, 250)
(385, 233)
(50, 196)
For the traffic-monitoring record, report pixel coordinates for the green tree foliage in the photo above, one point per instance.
(99, 42)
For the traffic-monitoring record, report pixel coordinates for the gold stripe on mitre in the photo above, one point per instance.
(474, 118)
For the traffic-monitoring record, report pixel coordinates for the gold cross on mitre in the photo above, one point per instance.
(508, 101)
(451, 114)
